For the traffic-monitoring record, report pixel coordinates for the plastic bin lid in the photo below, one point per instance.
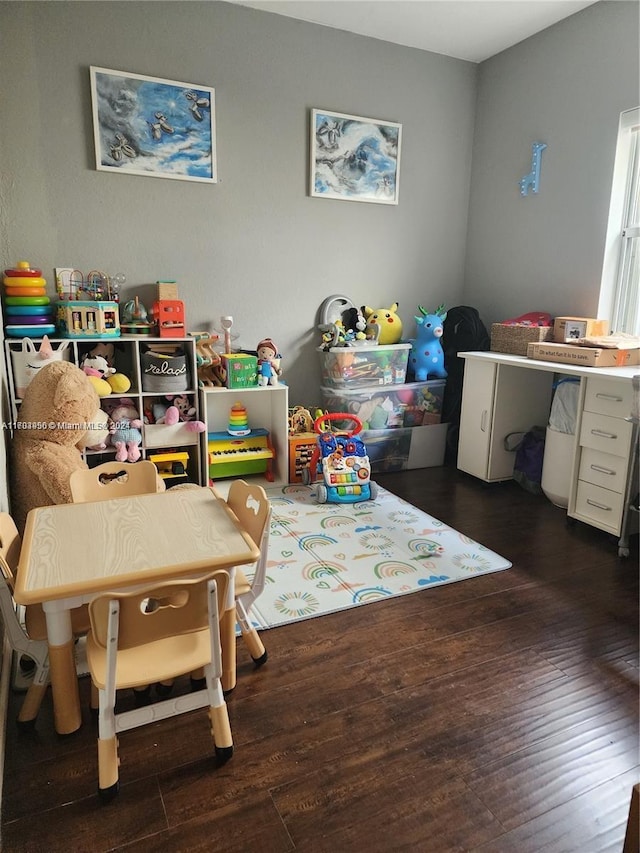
(375, 390)
(365, 346)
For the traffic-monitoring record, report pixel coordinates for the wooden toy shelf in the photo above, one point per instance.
(130, 351)
(267, 409)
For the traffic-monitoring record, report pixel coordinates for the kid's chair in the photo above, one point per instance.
(251, 507)
(156, 634)
(32, 640)
(115, 480)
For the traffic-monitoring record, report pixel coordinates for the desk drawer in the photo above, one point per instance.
(610, 435)
(608, 397)
(603, 469)
(599, 507)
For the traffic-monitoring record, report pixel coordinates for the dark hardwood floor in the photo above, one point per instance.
(496, 714)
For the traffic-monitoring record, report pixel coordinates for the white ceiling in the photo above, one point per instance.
(465, 29)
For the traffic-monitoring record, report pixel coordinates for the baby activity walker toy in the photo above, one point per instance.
(340, 462)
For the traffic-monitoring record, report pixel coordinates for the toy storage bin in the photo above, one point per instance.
(26, 362)
(390, 407)
(164, 373)
(404, 449)
(353, 367)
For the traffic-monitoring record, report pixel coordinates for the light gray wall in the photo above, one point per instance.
(255, 245)
(566, 86)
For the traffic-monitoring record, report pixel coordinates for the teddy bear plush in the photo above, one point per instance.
(57, 406)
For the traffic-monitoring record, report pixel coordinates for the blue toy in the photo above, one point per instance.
(427, 357)
(340, 461)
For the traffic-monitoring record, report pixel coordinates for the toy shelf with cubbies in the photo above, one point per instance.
(267, 421)
(155, 367)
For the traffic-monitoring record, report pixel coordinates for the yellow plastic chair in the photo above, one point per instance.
(115, 480)
(156, 634)
(251, 506)
(29, 640)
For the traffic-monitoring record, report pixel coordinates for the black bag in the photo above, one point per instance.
(462, 331)
(527, 468)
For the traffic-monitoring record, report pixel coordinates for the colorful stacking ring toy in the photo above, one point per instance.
(22, 269)
(27, 311)
(24, 281)
(29, 331)
(27, 306)
(25, 291)
(28, 320)
(27, 300)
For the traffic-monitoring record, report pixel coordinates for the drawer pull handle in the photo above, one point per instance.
(602, 470)
(598, 506)
(602, 434)
(611, 397)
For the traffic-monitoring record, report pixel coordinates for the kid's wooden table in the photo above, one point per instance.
(71, 552)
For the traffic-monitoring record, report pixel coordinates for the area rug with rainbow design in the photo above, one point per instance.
(328, 557)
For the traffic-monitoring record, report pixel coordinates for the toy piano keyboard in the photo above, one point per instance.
(238, 456)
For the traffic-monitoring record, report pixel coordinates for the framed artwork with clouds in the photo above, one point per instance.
(354, 158)
(149, 126)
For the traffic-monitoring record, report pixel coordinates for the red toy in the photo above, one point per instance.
(169, 315)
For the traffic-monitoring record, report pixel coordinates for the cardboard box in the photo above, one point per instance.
(584, 356)
(567, 329)
(513, 338)
(241, 370)
(167, 290)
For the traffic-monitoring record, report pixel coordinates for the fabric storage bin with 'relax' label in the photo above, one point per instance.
(164, 369)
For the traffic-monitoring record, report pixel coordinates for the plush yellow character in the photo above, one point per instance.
(119, 383)
(389, 322)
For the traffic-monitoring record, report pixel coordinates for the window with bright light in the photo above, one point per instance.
(620, 291)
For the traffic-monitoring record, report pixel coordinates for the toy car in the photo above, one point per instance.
(340, 462)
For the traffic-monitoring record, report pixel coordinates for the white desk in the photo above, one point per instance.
(509, 393)
(71, 552)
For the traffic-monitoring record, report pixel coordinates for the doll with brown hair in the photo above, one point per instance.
(268, 362)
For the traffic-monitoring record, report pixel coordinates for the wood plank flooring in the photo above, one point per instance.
(494, 715)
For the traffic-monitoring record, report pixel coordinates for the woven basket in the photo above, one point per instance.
(513, 338)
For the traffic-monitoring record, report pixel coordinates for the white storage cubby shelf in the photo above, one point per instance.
(267, 409)
(130, 351)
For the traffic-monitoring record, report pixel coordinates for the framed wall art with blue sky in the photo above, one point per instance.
(149, 126)
(354, 158)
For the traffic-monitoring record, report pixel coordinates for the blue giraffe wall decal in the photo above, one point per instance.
(533, 178)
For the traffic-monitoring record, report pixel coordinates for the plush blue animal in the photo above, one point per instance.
(427, 357)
